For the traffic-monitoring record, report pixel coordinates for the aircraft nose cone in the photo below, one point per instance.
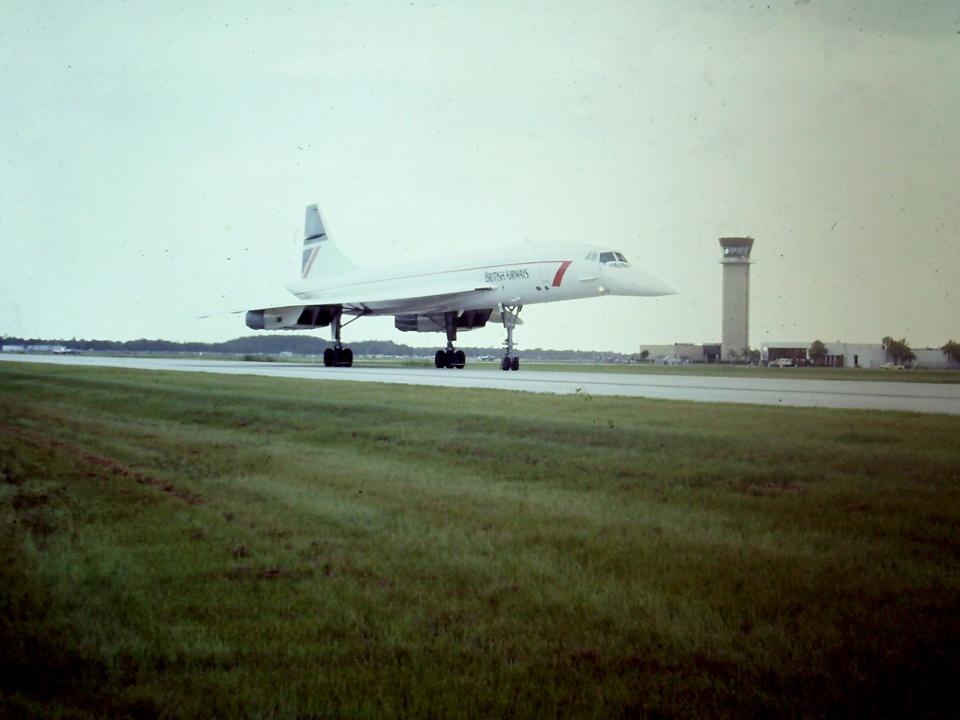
(664, 288)
(652, 286)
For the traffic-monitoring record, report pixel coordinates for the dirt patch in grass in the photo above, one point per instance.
(27, 500)
(773, 488)
(107, 465)
(250, 572)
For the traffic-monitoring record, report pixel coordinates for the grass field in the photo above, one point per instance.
(189, 545)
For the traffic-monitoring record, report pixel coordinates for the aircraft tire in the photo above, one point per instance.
(346, 358)
(460, 359)
(440, 359)
(328, 357)
(515, 363)
(505, 364)
(451, 359)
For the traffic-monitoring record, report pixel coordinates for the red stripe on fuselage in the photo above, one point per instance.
(558, 278)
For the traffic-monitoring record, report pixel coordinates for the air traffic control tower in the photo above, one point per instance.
(736, 295)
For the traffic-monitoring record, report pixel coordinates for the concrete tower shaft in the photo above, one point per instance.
(736, 295)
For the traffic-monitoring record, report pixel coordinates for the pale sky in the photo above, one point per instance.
(156, 159)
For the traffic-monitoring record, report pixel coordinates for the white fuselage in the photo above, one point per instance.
(522, 275)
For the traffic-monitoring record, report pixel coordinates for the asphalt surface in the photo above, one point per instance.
(850, 394)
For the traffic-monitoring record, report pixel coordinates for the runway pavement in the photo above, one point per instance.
(858, 394)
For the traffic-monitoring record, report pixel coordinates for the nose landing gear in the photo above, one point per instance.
(509, 314)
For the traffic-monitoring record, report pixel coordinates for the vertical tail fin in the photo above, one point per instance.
(321, 257)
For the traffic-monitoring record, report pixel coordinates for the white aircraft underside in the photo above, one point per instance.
(445, 294)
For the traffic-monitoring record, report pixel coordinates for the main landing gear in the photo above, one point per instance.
(451, 357)
(338, 355)
(509, 314)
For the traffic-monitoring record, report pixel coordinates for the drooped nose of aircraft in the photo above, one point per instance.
(656, 286)
(645, 285)
(623, 279)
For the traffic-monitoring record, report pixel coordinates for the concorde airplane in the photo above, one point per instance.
(446, 295)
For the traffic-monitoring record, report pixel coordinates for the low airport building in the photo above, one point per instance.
(839, 354)
(854, 355)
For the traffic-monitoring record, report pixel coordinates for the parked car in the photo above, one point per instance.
(782, 362)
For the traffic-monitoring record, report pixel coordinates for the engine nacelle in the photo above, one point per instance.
(434, 322)
(255, 319)
(418, 323)
(293, 317)
(317, 315)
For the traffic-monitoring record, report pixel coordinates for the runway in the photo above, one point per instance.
(842, 394)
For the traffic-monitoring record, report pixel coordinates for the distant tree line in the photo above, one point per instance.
(301, 345)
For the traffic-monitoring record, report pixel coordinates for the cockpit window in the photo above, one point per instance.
(613, 257)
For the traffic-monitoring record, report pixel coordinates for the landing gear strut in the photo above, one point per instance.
(451, 357)
(509, 314)
(338, 355)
